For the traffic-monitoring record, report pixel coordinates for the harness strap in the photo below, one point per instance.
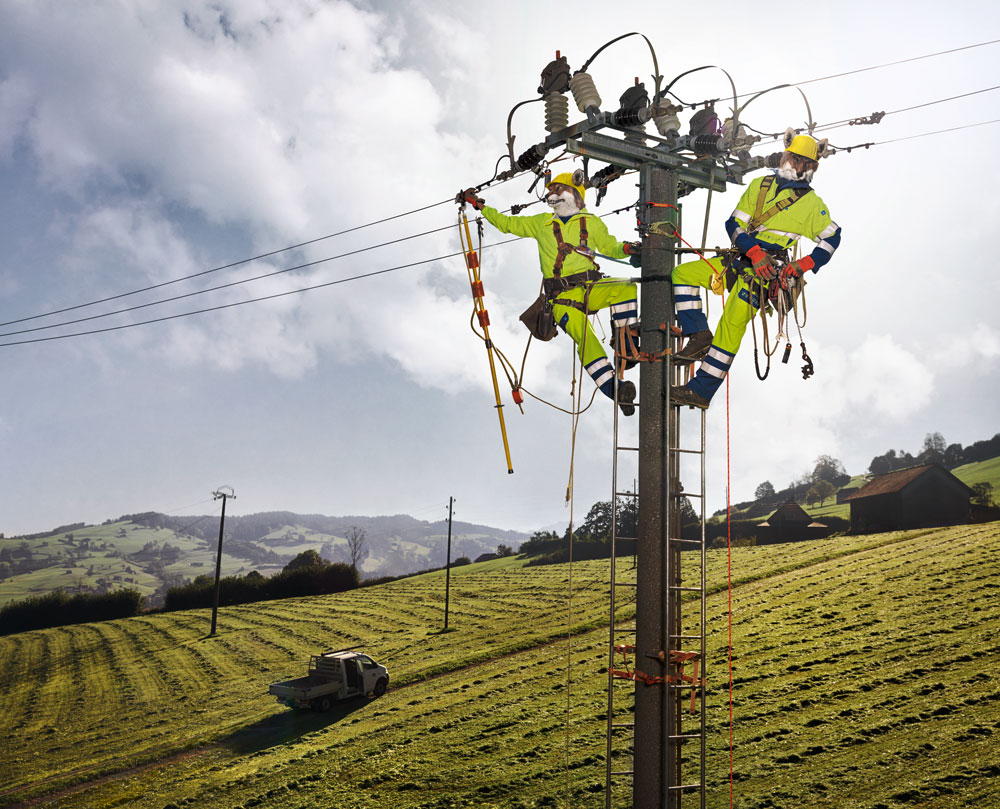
(760, 215)
(565, 248)
(562, 283)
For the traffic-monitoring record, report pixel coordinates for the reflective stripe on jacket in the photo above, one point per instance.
(539, 228)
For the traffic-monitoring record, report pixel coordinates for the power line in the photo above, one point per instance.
(249, 300)
(858, 120)
(897, 62)
(224, 266)
(914, 137)
(853, 72)
(220, 286)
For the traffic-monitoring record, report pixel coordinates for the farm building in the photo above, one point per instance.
(917, 497)
(847, 491)
(790, 522)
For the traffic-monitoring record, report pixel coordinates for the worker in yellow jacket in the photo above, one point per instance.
(569, 239)
(773, 213)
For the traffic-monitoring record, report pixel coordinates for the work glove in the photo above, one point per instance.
(794, 270)
(469, 195)
(633, 250)
(763, 264)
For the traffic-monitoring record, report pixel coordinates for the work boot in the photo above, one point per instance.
(696, 347)
(626, 396)
(683, 395)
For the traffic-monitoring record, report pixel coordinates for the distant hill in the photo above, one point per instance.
(153, 551)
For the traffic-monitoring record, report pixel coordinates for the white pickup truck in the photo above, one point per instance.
(333, 676)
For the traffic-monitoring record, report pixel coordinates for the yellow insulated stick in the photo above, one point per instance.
(472, 266)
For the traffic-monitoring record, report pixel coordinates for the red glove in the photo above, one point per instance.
(632, 248)
(795, 269)
(763, 264)
(469, 195)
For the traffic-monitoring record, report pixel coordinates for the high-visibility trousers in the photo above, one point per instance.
(741, 305)
(618, 295)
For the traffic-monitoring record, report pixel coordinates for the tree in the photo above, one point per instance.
(954, 456)
(883, 464)
(819, 491)
(934, 448)
(357, 540)
(309, 558)
(765, 491)
(829, 469)
(982, 494)
(597, 526)
(504, 550)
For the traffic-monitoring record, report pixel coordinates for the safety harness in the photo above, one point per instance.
(755, 225)
(538, 317)
(784, 300)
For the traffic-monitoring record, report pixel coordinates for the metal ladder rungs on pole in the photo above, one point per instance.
(694, 762)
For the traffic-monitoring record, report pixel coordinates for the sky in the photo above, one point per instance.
(143, 142)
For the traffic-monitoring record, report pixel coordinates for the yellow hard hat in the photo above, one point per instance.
(572, 180)
(804, 146)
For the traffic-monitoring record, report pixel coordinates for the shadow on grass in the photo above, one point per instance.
(288, 725)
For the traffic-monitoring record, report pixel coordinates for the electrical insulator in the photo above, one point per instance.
(666, 120)
(632, 117)
(633, 106)
(703, 145)
(556, 112)
(531, 157)
(584, 92)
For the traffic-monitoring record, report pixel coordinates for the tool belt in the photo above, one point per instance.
(538, 317)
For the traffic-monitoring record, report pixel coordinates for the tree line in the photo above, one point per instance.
(936, 450)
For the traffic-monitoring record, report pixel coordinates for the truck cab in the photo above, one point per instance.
(333, 676)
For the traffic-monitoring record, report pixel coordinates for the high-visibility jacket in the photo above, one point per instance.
(539, 228)
(808, 216)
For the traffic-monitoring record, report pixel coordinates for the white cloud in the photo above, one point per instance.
(969, 348)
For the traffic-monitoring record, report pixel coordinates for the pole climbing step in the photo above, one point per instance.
(680, 669)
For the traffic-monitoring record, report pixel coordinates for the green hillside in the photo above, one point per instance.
(864, 677)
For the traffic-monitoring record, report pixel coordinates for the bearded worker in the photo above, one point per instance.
(573, 288)
(773, 213)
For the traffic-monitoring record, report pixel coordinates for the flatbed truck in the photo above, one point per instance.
(333, 676)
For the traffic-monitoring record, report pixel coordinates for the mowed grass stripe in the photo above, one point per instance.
(797, 697)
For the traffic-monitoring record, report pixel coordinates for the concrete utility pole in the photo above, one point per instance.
(656, 758)
(447, 568)
(218, 557)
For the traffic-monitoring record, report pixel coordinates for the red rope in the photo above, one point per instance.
(729, 546)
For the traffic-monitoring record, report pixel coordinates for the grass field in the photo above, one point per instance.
(864, 677)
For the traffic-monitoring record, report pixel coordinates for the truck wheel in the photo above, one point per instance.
(322, 704)
(380, 687)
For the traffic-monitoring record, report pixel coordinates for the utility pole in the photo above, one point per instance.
(224, 495)
(657, 757)
(447, 568)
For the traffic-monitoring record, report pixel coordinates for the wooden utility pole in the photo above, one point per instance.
(447, 568)
(224, 495)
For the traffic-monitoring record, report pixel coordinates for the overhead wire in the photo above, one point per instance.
(224, 266)
(248, 301)
(221, 286)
